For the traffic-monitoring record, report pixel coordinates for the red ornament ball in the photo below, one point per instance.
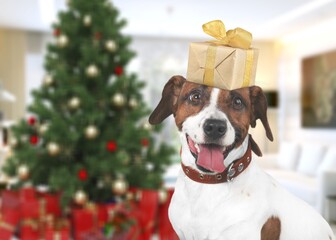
(34, 139)
(57, 32)
(111, 146)
(82, 174)
(145, 142)
(118, 70)
(31, 121)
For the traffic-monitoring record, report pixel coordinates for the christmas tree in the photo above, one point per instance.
(87, 134)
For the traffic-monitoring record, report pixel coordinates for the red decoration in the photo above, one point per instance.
(82, 174)
(111, 146)
(98, 35)
(118, 70)
(60, 230)
(57, 32)
(145, 142)
(31, 121)
(34, 139)
(87, 220)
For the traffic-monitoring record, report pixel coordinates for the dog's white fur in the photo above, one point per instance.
(236, 210)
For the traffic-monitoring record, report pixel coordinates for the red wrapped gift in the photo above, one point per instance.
(133, 233)
(30, 230)
(58, 231)
(165, 229)
(144, 210)
(52, 203)
(39, 205)
(10, 200)
(98, 235)
(11, 214)
(6, 227)
(89, 218)
(27, 193)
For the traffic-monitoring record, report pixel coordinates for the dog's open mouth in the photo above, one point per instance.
(209, 157)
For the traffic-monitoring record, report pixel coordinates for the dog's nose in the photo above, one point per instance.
(214, 128)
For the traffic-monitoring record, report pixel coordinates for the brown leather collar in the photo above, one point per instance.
(236, 167)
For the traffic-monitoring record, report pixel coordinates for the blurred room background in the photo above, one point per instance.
(296, 69)
(285, 32)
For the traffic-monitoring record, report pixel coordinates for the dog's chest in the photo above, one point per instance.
(203, 211)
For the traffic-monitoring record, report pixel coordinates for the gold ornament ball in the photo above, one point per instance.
(80, 197)
(48, 80)
(147, 126)
(87, 20)
(91, 132)
(43, 128)
(92, 71)
(163, 195)
(23, 172)
(111, 46)
(133, 103)
(74, 103)
(118, 100)
(53, 148)
(62, 41)
(119, 186)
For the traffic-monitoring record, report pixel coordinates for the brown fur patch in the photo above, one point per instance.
(185, 108)
(271, 229)
(240, 119)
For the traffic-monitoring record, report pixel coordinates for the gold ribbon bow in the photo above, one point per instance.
(237, 37)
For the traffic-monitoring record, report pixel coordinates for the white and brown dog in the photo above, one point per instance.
(221, 193)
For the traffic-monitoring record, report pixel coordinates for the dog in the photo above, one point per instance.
(221, 193)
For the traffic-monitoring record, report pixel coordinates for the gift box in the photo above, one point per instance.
(7, 225)
(60, 230)
(10, 213)
(91, 218)
(39, 205)
(227, 63)
(165, 229)
(144, 210)
(10, 200)
(30, 230)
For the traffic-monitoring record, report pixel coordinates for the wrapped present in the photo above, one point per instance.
(27, 193)
(39, 205)
(227, 63)
(59, 230)
(122, 222)
(7, 225)
(88, 219)
(10, 200)
(165, 229)
(144, 210)
(52, 203)
(30, 230)
(10, 213)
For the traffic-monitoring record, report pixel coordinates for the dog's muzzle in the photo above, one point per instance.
(214, 129)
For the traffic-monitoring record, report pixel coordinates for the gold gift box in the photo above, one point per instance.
(221, 66)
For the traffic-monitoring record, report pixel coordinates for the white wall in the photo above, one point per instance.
(313, 40)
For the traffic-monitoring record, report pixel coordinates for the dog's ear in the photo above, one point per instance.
(167, 104)
(254, 146)
(259, 110)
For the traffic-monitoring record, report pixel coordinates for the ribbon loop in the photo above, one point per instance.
(237, 37)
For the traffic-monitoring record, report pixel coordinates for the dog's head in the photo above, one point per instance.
(213, 123)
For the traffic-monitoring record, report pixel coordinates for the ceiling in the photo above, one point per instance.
(266, 19)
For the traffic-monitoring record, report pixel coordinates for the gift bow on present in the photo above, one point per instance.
(237, 37)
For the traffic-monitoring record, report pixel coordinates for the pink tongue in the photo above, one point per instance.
(211, 158)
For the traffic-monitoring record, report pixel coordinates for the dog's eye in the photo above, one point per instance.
(195, 97)
(237, 103)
